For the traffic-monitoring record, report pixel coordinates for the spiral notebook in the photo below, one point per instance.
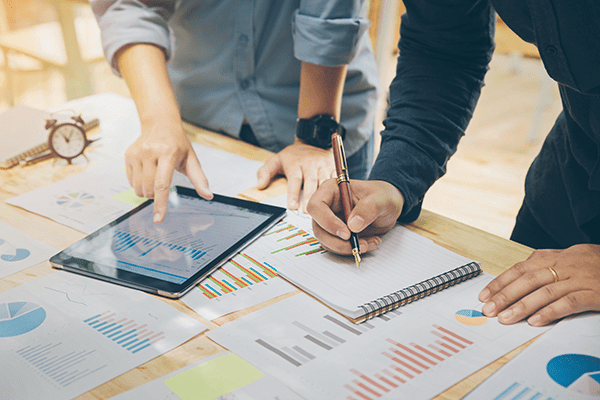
(22, 133)
(405, 268)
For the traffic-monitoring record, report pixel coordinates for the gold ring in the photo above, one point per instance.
(554, 274)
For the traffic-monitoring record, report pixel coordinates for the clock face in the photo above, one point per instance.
(68, 140)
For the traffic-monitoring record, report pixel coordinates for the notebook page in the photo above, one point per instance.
(404, 258)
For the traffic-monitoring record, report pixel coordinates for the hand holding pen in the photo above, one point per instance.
(341, 168)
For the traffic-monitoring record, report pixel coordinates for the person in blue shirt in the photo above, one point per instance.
(248, 69)
(445, 48)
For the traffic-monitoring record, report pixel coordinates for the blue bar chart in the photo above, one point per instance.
(124, 332)
(60, 363)
(124, 241)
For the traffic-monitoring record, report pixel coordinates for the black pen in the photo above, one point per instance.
(341, 168)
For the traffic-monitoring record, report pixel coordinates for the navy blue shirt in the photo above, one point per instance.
(444, 53)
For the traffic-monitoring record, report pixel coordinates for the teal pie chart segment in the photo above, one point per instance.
(20, 254)
(579, 373)
(18, 318)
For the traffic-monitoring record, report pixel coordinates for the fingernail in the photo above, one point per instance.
(488, 308)
(535, 320)
(484, 295)
(293, 205)
(506, 314)
(156, 218)
(343, 234)
(356, 223)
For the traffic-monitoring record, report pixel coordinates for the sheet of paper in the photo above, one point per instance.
(413, 353)
(91, 199)
(240, 283)
(63, 334)
(404, 258)
(86, 201)
(227, 173)
(19, 251)
(563, 364)
(215, 374)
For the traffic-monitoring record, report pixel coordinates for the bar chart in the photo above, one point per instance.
(293, 239)
(240, 272)
(124, 241)
(407, 361)
(124, 332)
(409, 354)
(60, 363)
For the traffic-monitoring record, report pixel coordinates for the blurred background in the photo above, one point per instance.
(51, 53)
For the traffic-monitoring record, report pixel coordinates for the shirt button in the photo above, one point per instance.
(551, 50)
(245, 84)
(243, 39)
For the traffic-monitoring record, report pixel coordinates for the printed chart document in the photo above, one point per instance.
(86, 201)
(223, 376)
(406, 266)
(240, 283)
(62, 335)
(563, 364)
(91, 199)
(19, 251)
(414, 352)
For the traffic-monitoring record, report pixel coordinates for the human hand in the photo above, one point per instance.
(529, 288)
(377, 206)
(151, 160)
(303, 165)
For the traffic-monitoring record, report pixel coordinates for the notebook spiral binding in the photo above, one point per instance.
(408, 295)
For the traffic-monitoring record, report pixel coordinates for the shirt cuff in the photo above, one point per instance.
(119, 32)
(329, 42)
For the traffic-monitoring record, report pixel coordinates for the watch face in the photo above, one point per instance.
(317, 130)
(67, 140)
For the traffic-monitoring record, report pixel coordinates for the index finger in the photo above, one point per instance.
(162, 183)
(323, 205)
(194, 172)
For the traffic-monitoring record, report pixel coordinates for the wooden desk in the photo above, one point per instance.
(496, 254)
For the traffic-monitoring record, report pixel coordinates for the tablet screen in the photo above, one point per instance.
(195, 236)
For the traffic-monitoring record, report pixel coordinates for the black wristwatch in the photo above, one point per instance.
(317, 130)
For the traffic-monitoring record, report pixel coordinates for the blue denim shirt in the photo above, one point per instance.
(236, 60)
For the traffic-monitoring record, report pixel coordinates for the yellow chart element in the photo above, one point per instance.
(129, 197)
(214, 378)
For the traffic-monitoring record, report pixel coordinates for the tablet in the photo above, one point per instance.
(169, 258)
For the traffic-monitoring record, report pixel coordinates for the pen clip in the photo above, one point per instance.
(339, 153)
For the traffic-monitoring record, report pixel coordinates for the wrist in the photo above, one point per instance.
(317, 130)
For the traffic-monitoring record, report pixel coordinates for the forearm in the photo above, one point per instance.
(438, 80)
(321, 89)
(144, 69)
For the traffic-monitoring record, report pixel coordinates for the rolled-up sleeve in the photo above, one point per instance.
(125, 22)
(327, 32)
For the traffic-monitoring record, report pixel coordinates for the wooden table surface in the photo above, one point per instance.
(494, 253)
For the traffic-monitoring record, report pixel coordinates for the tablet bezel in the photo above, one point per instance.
(64, 261)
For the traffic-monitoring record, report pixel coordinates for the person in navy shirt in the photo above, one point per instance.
(445, 48)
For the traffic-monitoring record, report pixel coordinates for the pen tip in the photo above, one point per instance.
(356, 254)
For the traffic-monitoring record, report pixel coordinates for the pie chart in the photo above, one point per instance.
(470, 317)
(10, 253)
(20, 317)
(75, 200)
(579, 373)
